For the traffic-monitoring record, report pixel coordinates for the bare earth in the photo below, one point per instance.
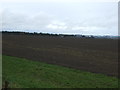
(89, 54)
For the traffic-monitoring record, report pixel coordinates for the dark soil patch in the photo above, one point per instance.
(90, 54)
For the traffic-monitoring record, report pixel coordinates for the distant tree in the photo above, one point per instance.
(83, 36)
(92, 36)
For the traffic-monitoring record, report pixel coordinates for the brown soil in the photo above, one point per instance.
(90, 54)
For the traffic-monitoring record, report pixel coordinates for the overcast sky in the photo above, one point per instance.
(89, 18)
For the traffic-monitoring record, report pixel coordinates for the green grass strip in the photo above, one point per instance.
(23, 73)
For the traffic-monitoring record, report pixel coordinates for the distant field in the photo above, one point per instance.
(89, 54)
(23, 73)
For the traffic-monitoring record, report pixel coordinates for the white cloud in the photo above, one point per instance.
(12, 21)
(57, 25)
(52, 26)
(74, 18)
(31, 1)
(90, 29)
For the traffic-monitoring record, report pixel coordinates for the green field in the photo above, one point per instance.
(23, 73)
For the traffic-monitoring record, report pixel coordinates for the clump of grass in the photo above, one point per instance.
(23, 73)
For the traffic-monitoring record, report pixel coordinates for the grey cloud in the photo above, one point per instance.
(80, 18)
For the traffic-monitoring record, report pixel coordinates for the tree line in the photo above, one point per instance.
(44, 34)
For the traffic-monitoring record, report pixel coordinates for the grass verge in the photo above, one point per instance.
(23, 73)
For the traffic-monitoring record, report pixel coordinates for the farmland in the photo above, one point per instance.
(70, 59)
(89, 54)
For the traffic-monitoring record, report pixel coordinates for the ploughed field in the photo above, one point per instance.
(89, 54)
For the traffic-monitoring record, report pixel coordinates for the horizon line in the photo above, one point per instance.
(58, 33)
